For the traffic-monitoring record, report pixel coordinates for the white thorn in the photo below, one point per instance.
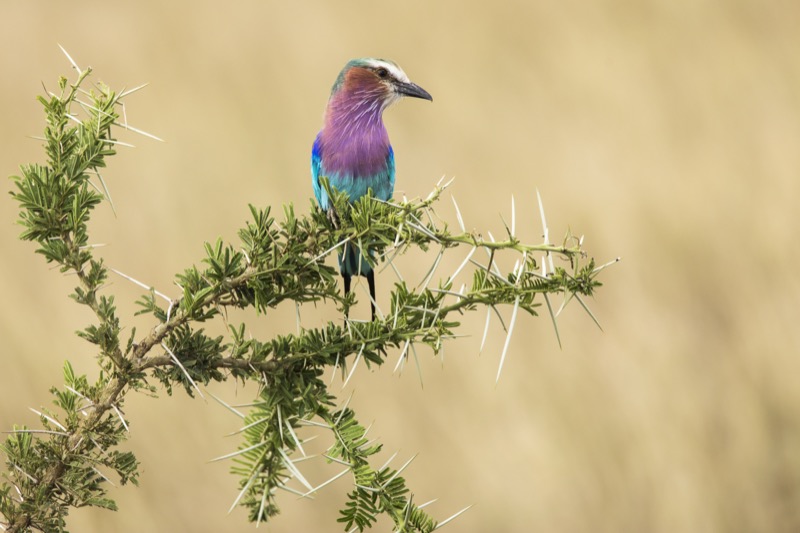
(140, 132)
(402, 356)
(331, 480)
(74, 64)
(463, 264)
(445, 521)
(343, 409)
(294, 470)
(185, 372)
(237, 452)
(140, 284)
(508, 338)
(125, 93)
(122, 418)
(419, 368)
(553, 318)
(601, 267)
(399, 470)
(513, 217)
(544, 221)
(586, 308)
(49, 418)
(430, 273)
(256, 474)
(458, 215)
(329, 250)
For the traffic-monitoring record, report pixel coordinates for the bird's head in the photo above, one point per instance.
(376, 80)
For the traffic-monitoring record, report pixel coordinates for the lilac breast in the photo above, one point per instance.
(354, 140)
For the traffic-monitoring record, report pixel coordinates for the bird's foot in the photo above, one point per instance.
(333, 216)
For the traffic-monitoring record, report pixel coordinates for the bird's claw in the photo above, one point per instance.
(333, 216)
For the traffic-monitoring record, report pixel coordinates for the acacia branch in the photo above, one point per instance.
(54, 469)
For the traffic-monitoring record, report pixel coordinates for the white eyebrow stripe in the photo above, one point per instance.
(395, 70)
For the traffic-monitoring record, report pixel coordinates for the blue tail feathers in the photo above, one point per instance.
(353, 263)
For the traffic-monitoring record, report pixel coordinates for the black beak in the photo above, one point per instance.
(413, 90)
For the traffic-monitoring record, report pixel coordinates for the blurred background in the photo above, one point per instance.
(667, 133)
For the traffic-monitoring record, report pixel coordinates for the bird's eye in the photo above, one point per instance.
(382, 72)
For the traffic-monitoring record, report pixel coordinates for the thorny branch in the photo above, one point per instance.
(52, 470)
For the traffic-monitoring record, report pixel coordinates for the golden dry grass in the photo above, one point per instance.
(666, 132)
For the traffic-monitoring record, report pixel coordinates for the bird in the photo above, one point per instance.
(352, 150)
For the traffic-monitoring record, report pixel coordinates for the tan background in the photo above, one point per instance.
(666, 132)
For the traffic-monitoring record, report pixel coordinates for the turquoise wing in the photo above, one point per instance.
(316, 172)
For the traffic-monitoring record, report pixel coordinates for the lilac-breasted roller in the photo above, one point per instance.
(353, 151)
